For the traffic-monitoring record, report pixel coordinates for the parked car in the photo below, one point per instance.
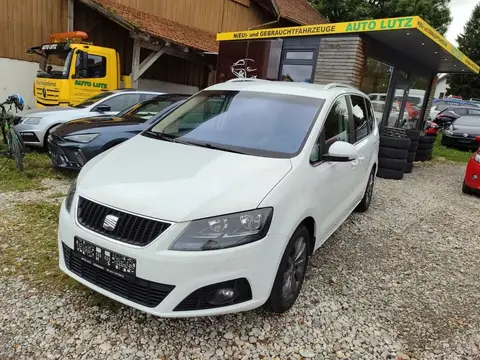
(34, 125)
(471, 182)
(72, 144)
(442, 104)
(446, 116)
(464, 132)
(217, 207)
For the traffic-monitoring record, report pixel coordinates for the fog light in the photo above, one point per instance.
(221, 296)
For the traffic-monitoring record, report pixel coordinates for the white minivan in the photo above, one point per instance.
(217, 207)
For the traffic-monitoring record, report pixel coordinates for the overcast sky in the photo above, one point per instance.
(461, 11)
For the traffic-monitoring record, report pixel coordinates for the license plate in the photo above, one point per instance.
(465, 141)
(107, 260)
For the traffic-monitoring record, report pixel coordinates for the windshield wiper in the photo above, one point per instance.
(215, 147)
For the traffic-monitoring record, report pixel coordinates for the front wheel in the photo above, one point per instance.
(16, 148)
(291, 272)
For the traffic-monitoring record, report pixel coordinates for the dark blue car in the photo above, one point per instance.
(72, 144)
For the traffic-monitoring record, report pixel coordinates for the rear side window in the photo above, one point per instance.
(360, 116)
(473, 112)
(459, 111)
(122, 101)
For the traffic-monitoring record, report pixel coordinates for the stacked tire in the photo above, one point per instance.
(393, 152)
(413, 135)
(425, 148)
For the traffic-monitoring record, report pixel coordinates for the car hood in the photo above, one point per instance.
(47, 111)
(176, 182)
(87, 125)
(462, 129)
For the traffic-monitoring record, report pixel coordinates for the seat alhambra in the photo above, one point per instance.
(218, 207)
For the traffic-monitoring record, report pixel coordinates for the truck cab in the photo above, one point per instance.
(72, 70)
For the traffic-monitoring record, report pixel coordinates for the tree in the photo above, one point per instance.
(468, 85)
(434, 12)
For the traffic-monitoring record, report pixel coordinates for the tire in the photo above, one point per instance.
(392, 153)
(413, 134)
(409, 168)
(392, 164)
(16, 148)
(278, 302)
(368, 195)
(424, 152)
(443, 142)
(465, 188)
(390, 174)
(410, 157)
(413, 146)
(426, 139)
(424, 146)
(394, 142)
(421, 158)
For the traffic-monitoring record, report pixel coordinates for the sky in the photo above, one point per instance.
(461, 11)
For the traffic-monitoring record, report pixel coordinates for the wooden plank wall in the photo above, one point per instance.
(341, 60)
(104, 32)
(26, 23)
(210, 15)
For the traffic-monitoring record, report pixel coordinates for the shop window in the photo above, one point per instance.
(299, 55)
(360, 115)
(297, 73)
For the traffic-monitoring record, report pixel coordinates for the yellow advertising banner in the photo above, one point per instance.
(400, 23)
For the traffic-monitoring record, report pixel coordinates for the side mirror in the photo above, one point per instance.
(103, 108)
(341, 151)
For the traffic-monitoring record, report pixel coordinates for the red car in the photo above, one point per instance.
(471, 183)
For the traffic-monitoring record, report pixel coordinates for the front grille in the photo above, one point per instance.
(129, 228)
(198, 300)
(140, 291)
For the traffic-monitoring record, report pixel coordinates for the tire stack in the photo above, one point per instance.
(425, 148)
(393, 152)
(414, 135)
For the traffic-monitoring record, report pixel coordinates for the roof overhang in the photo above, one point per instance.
(409, 35)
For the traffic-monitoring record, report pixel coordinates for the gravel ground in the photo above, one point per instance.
(399, 282)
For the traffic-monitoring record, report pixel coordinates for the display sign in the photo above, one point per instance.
(400, 23)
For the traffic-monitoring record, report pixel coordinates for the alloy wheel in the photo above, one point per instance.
(295, 269)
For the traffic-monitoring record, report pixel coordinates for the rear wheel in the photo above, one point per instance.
(291, 272)
(17, 149)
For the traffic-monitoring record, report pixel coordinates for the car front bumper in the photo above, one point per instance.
(472, 176)
(460, 141)
(31, 134)
(71, 156)
(185, 272)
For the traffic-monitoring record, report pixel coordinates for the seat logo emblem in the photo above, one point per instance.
(465, 135)
(110, 222)
(44, 92)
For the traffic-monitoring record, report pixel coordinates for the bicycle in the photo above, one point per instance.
(12, 139)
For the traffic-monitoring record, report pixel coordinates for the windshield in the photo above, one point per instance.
(55, 65)
(146, 110)
(254, 123)
(468, 121)
(92, 100)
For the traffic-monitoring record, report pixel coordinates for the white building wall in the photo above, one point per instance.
(17, 77)
(441, 87)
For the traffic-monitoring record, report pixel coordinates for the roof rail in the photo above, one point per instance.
(244, 80)
(339, 85)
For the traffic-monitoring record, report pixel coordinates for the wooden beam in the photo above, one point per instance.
(92, 4)
(70, 16)
(148, 62)
(171, 50)
(135, 62)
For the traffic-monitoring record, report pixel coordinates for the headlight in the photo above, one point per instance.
(70, 195)
(225, 231)
(477, 157)
(32, 120)
(83, 138)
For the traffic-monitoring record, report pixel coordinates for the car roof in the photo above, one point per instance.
(463, 107)
(327, 91)
(137, 90)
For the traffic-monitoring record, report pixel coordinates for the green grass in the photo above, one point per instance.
(441, 152)
(30, 249)
(37, 167)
